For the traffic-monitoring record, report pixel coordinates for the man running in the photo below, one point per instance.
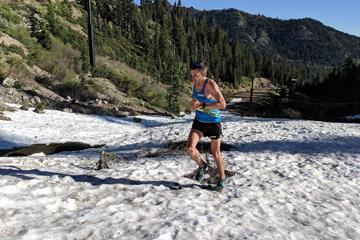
(207, 102)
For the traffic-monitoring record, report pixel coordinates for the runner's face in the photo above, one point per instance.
(196, 74)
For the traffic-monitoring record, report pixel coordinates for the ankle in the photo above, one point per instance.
(202, 164)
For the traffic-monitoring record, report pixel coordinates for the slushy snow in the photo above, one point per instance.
(295, 180)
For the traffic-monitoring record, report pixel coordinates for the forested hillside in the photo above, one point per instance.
(144, 52)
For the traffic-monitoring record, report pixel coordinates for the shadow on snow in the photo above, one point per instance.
(95, 181)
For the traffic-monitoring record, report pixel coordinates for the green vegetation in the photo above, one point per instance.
(19, 85)
(161, 40)
(131, 86)
(40, 107)
(9, 14)
(342, 84)
(14, 49)
(3, 72)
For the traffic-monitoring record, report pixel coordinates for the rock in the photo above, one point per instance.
(2, 117)
(4, 107)
(68, 98)
(133, 112)
(11, 91)
(182, 114)
(24, 98)
(98, 102)
(68, 110)
(125, 114)
(137, 120)
(32, 100)
(37, 100)
(106, 102)
(8, 82)
(24, 107)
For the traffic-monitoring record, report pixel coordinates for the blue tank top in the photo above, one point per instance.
(205, 115)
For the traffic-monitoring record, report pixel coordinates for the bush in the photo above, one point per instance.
(19, 85)
(44, 80)
(3, 73)
(132, 87)
(40, 29)
(15, 49)
(25, 105)
(40, 107)
(10, 15)
(58, 62)
(14, 62)
(75, 88)
(66, 34)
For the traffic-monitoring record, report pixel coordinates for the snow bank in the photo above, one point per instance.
(296, 180)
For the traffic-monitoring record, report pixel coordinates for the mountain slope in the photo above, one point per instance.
(298, 39)
(43, 47)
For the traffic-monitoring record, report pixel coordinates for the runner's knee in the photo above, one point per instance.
(216, 154)
(191, 150)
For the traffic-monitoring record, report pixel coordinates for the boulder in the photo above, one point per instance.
(37, 100)
(68, 110)
(8, 82)
(32, 100)
(98, 101)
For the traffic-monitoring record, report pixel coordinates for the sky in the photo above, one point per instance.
(342, 15)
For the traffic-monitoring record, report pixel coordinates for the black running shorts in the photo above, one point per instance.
(211, 130)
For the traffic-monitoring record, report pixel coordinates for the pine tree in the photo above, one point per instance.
(172, 74)
(40, 30)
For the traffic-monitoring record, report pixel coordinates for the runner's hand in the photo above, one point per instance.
(195, 104)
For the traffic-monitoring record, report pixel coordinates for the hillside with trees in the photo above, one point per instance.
(144, 52)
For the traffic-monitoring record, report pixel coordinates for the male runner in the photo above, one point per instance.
(207, 102)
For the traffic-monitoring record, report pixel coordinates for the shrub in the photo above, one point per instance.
(25, 105)
(59, 61)
(14, 62)
(40, 107)
(45, 80)
(19, 85)
(15, 49)
(3, 73)
(132, 87)
(10, 15)
(75, 88)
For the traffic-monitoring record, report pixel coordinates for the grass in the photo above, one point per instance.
(133, 87)
(9, 14)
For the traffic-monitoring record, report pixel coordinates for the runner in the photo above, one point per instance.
(207, 102)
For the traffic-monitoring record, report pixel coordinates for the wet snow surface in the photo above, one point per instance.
(296, 180)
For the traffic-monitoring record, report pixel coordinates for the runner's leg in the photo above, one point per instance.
(193, 139)
(215, 150)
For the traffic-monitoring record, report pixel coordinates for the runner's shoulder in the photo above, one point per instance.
(212, 82)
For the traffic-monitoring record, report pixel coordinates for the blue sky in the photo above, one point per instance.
(343, 15)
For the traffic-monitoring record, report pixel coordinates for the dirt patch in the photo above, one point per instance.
(8, 41)
(76, 13)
